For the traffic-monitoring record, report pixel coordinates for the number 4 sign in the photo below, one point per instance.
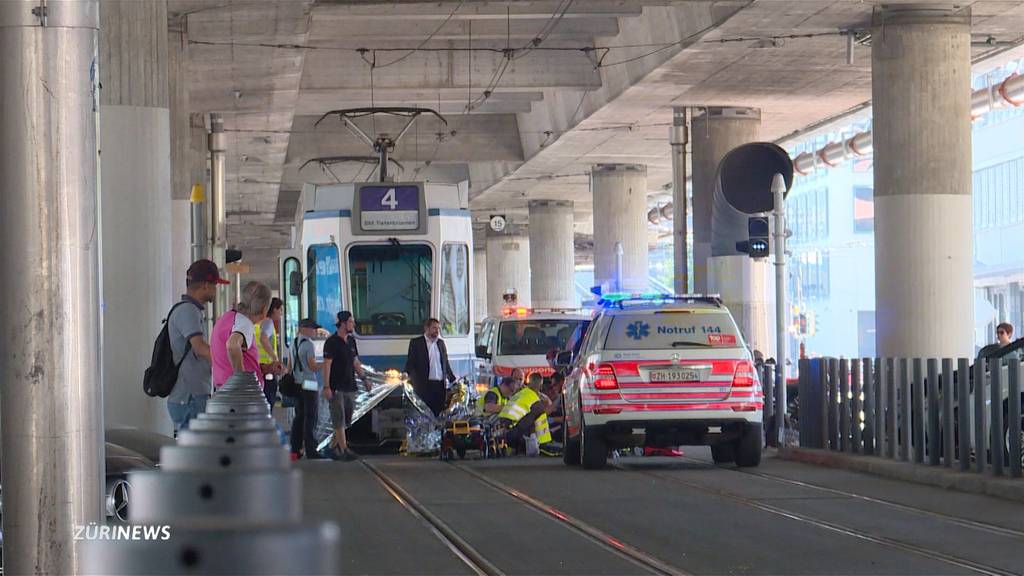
(389, 199)
(389, 207)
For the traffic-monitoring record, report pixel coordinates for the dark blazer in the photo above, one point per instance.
(417, 363)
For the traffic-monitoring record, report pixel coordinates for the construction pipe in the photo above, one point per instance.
(1008, 93)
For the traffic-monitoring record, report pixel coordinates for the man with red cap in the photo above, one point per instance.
(190, 348)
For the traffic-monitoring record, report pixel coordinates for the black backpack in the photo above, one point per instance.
(162, 373)
(288, 385)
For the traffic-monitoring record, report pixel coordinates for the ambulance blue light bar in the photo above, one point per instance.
(621, 299)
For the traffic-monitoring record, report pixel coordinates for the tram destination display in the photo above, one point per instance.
(380, 208)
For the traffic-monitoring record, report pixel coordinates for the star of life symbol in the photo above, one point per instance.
(638, 330)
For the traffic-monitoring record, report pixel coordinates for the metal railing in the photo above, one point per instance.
(934, 411)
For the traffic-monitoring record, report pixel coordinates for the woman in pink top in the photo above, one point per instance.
(233, 343)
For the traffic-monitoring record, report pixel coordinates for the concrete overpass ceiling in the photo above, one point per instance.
(528, 128)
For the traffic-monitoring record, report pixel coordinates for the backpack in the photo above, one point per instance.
(287, 383)
(162, 374)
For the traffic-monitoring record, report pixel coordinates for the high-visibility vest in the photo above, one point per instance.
(519, 405)
(482, 400)
(265, 357)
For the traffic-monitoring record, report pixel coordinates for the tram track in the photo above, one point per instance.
(930, 553)
(480, 564)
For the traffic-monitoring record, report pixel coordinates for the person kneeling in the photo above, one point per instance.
(526, 413)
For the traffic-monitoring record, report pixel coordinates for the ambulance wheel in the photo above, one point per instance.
(748, 448)
(570, 448)
(723, 453)
(593, 448)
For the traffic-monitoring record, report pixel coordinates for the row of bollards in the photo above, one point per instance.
(226, 500)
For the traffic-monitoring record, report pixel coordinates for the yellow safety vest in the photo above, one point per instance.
(482, 400)
(265, 357)
(519, 406)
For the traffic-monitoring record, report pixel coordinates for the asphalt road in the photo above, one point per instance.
(653, 515)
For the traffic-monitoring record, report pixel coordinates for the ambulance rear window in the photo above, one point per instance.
(673, 329)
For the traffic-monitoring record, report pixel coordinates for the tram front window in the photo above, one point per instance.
(391, 288)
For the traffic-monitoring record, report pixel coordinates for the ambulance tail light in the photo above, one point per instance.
(604, 377)
(744, 376)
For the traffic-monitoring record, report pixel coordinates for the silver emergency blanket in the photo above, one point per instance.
(422, 428)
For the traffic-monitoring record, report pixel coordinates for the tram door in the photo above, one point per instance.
(291, 289)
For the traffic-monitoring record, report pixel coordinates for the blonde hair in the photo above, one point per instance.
(255, 299)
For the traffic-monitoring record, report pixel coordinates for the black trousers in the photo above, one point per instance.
(432, 392)
(304, 424)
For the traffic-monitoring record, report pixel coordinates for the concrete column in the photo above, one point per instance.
(51, 376)
(135, 204)
(620, 217)
(508, 267)
(714, 132)
(920, 71)
(552, 263)
(480, 282)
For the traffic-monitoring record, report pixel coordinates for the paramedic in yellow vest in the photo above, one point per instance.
(266, 342)
(495, 399)
(526, 413)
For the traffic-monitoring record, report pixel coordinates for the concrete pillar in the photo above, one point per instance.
(714, 132)
(552, 263)
(480, 282)
(922, 139)
(508, 267)
(51, 376)
(136, 210)
(620, 218)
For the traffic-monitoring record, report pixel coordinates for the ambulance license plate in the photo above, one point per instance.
(675, 375)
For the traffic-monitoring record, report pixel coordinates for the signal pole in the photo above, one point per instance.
(778, 191)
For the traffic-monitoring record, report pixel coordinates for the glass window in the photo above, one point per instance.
(673, 329)
(454, 309)
(292, 302)
(530, 337)
(863, 209)
(324, 283)
(391, 288)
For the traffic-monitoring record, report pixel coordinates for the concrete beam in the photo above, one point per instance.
(325, 69)
(477, 138)
(431, 10)
(371, 32)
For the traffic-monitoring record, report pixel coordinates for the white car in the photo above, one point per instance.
(522, 338)
(663, 371)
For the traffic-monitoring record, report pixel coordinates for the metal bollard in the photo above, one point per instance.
(996, 406)
(892, 408)
(825, 406)
(238, 409)
(198, 458)
(206, 550)
(933, 413)
(917, 406)
(904, 409)
(844, 405)
(980, 419)
(239, 438)
(833, 404)
(963, 398)
(1013, 424)
(768, 388)
(856, 441)
(264, 496)
(948, 418)
(870, 388)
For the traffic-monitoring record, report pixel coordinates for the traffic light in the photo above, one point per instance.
(756, 245)
(232, 255)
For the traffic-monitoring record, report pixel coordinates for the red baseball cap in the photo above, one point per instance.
(204, 271)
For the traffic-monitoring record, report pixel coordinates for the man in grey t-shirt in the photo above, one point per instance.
(187, 325)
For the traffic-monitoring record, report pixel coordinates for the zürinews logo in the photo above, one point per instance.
(638, 330)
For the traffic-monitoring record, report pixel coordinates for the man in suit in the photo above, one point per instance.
(427, 366)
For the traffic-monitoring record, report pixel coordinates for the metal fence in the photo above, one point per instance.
(935, 411)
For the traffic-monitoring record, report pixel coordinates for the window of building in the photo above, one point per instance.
(324, 287)
(454, 310)
(998, 194)
(391, 288)
(863, 209)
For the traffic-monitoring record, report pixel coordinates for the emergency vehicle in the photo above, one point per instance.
(522, 338)
(661, 370)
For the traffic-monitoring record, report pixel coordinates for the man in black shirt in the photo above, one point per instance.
(341, 363)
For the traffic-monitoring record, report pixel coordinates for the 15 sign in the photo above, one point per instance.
(380, 208)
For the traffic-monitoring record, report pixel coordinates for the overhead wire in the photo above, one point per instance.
(428, 38)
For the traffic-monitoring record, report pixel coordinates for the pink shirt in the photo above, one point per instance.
(227, 324)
